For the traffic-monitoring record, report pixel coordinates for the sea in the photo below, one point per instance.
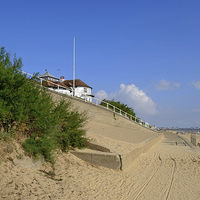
(185, 130)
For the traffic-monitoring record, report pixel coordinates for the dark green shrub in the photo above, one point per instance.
(71, 123)
(41, 146)
(26, 107)
(119, 105)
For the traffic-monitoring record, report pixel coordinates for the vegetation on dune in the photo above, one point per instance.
(27, 109)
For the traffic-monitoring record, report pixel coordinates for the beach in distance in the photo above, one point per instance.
(185, 130)
(169, 170)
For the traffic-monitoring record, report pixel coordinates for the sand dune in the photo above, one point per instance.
(169, 170)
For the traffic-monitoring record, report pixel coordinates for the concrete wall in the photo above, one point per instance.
(193, 139)
(99, 113)
(108, 160)
(128, 158)
(113, 160)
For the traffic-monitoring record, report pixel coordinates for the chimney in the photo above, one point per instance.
(62, 78)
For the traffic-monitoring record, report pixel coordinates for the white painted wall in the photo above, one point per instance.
(80, 92)
(61, 91)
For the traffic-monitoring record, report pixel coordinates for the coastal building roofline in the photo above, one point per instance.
(48, 75)
(78, 82)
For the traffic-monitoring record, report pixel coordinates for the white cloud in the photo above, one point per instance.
(176, 85)
(196, 84)
(101, 94)
(197, 110)
(133, 97)
(166, 85)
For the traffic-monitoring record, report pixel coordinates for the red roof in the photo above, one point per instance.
(54, 84)
(78, 82)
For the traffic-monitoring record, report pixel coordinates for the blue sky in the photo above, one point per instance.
(143, 53)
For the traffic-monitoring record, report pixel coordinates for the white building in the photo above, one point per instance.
(82, 90)
(53, 83)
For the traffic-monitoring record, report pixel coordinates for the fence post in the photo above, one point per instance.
(193, 138)
(107, 106)
(113, 108)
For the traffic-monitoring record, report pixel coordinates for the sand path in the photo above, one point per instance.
(169, 170)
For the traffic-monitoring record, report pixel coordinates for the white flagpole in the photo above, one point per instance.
(74, 68)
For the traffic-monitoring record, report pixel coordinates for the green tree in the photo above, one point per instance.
(48, 125)
(118, 104)
(11, 90)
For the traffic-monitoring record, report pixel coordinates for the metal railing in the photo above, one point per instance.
(115, 109)
(99, 102)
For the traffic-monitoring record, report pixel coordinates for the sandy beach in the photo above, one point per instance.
(169, 170)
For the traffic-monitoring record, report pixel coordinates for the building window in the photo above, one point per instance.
(85, 90)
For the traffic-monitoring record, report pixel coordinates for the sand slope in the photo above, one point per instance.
(169, 170)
